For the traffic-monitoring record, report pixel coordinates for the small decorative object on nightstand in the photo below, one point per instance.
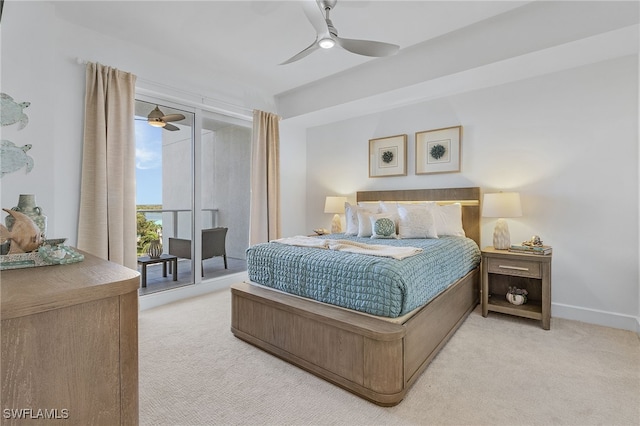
(512, 274)
(517, 296)
(533, 246)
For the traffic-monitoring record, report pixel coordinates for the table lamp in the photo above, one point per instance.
(501, 205)
(335, 205)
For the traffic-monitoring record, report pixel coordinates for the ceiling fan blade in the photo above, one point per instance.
(171, 127)
(312, 47)
(315, 15)
(367, 47)
(173, 117)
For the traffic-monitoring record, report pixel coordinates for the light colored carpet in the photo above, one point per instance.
(498, 370)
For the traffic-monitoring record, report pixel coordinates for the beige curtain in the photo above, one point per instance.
(107, 221)
(265, 178)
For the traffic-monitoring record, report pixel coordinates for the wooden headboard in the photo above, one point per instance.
(468, 197)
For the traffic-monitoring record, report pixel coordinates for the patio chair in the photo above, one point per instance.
(213, 245)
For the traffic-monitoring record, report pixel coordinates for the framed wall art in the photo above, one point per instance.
(438, 151)
(388, 156)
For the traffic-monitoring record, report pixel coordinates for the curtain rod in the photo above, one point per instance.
(202, 104)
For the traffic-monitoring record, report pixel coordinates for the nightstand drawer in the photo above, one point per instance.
(521, 268)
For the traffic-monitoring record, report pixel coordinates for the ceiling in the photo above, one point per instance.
(244, 41)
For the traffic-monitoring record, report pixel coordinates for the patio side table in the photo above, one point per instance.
(164, 259)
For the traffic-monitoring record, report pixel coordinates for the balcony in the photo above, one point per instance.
(177, 223)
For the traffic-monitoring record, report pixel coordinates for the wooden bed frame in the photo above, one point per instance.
(374, 358)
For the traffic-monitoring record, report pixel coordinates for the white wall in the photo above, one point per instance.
(567, 141)
(293, 179)
(27, 63)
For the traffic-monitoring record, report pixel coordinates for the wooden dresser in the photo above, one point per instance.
(70, 344)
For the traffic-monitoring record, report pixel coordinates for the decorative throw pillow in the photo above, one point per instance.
(448, 219)
(383, 226)
(416, 221)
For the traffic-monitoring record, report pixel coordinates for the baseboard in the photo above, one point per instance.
(153, 300)
(595, 316)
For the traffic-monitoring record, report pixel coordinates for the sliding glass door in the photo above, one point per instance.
(164, 189)
(225, 162)
(192, 175)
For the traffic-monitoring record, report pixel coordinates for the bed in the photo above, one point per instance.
(376, 358)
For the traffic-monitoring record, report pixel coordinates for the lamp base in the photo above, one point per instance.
(336, 225)
(501, 236)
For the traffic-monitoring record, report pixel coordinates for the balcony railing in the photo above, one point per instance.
(174, 216)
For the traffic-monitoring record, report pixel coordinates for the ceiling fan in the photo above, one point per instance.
(156, 118)
(327, 34)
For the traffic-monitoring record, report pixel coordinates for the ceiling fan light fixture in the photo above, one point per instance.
(157, 123)
(327, 43)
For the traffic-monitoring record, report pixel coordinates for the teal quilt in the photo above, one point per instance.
(375, 285)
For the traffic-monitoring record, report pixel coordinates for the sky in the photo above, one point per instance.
(148, 163)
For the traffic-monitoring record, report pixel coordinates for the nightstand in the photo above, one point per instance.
(502, 269)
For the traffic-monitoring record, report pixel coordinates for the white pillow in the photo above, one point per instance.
(351, 215)
(383, 225)
(388, 207)
(364, 223)
(351, 218)
(416, 221)
(448, 219)
(370, 206)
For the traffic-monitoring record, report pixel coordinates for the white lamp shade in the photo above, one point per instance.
(501, 205)
(334, 204)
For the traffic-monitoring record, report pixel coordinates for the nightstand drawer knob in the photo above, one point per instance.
(517, 268)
